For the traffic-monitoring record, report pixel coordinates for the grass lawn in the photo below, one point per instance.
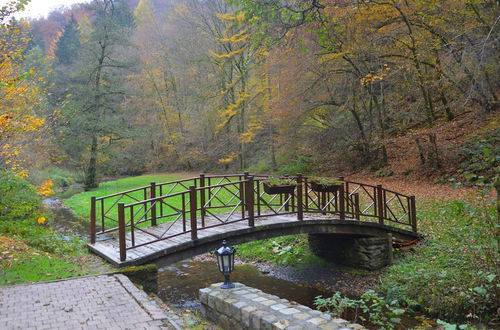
(80, 203)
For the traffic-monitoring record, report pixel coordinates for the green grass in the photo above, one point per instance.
(285, 251)
(80, 203)
(34, 266)
(32, 252)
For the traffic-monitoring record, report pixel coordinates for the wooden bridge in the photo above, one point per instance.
(179, 219)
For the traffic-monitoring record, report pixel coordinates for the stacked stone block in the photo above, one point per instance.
(244, 307)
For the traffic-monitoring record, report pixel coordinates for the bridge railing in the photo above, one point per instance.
(226, 199)
(104, 209)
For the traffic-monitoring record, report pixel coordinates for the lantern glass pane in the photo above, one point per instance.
(226, 263)
(219, 262)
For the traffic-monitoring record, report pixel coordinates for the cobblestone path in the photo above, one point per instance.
(94, 302)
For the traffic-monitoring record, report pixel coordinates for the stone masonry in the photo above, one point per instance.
(247, 308)
(360, 252)
(92, 302)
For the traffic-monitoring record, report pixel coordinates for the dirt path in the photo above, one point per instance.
(419, 188)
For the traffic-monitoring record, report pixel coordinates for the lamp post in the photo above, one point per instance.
(225, 260)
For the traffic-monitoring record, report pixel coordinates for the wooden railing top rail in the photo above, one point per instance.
(155, 199)
(146, 187)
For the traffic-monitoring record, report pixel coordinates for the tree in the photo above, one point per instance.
(21, 91)
(93, 113)
(68, 44)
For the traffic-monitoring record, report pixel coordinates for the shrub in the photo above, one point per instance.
(19, 199)
(370, 308)
(61, 177)
(453, 275)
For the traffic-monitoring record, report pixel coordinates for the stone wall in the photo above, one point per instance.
(247, 308)
(361, 252)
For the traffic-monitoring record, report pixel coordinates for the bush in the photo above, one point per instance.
(453, 275)
(480, 158)
(61, 177)
(369, 309)
(19, 199)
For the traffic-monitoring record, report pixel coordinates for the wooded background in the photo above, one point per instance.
(117, 87)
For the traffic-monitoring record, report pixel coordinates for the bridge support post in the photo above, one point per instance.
(413, 214)
(202, 199)
(249, 199)
(300, 209)
(153, 204)
(357, 211)
(380, 204)
(342, 198)
(193, 208)
(121, 231)
(92, 219)
(390, 253)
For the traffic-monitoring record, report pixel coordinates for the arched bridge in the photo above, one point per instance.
(180, 219)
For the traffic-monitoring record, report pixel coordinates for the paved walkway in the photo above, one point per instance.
(94, 302)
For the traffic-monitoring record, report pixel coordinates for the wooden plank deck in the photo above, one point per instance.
(108, 247)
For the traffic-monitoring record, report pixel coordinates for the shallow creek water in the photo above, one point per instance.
(179, 283)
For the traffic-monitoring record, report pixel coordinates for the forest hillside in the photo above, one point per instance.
(405, 88)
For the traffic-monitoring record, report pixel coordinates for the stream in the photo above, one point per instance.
(179, 283)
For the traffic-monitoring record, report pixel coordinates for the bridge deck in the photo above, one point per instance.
(108, 247)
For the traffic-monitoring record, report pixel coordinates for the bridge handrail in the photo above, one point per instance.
(247, 195)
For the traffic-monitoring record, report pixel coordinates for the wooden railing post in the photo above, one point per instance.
(380, 204)
(121, 231)
(300, 209)
(249, 199)
(342, 199)
(413, 214)
(202, 199)
(357, 211)
(92, 223)
(153, 204)
(306, 194)
(192, 210)
(243, 193)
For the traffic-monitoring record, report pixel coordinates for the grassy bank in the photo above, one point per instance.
(30, 250)
(453, 273)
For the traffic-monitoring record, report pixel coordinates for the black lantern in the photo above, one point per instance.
(225, 259)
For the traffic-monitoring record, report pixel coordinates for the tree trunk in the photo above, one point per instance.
(90, 176)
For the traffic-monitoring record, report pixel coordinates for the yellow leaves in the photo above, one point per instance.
(45, 189)
(332, 56)
(228, 159)
(41, 220)
(22, 174)
(104, 139)
(253, 128)
(227, 56)
(238, 17)
(370, 78)
(231, 110)
(237, 37)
